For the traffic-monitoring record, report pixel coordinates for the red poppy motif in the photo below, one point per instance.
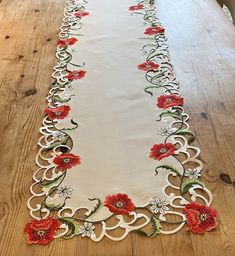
(160, 151)
(154, 30)
(200, 218)
(81, 14)
(67, 42)
(76, 74)
(136, 7)
(58, 112)
(148, 66)
(166, 101)
(119, 204)
(66, 161)
(41, 231)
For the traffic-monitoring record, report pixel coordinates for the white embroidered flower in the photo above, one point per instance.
(58, 136)
(64, 191)
(166, 131)
(193, 174)
(74, 50)
(158, 205)
(87, 229)
(69, 87)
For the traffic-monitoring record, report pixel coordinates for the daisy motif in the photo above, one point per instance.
(158, 205)
(165, 131)
(193, 174)
(64, 191)
(87, 229)
(58, 136)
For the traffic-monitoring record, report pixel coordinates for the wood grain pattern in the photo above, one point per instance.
(202, 46)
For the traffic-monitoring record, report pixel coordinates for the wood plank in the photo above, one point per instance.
(202, 46)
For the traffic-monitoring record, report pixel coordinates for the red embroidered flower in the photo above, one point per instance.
(81, 14)
(200, 218)
(76, 74)
(166, 101)
(67, 42)
(136, 7)
(148, 66)
(67, 161)
(154, 30)
(58, 112)
(41, 231)
(160, 151)
(119, 204)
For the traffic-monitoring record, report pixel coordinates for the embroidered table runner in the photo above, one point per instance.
(115, 148)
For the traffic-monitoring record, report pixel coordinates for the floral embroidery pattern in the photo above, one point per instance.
(76, 74)
(57, 112)
(167, 101)
(64, 191)
(160, 151)
(41, 231)
(200, 218)
(158, 205)
(148, 66)
(119, 204)
(159, 73)
(67, 42)
(154, 30)
(87, 229)
(66, 161)
(193, 173)
(81, 14)
(136, 7)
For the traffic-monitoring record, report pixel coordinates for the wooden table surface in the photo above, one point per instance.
(202, 46)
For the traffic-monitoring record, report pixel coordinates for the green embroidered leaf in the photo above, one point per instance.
(167, 167)
(189, 184)
(156, 227)
(184, 132)
(98, 206)
(150, 87)
(55, 182)
(174, 114)
(58, 99)
(70, 129)
(140, 232)
(73, 227)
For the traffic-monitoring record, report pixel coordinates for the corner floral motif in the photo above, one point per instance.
(200, 218)
(41, 231)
